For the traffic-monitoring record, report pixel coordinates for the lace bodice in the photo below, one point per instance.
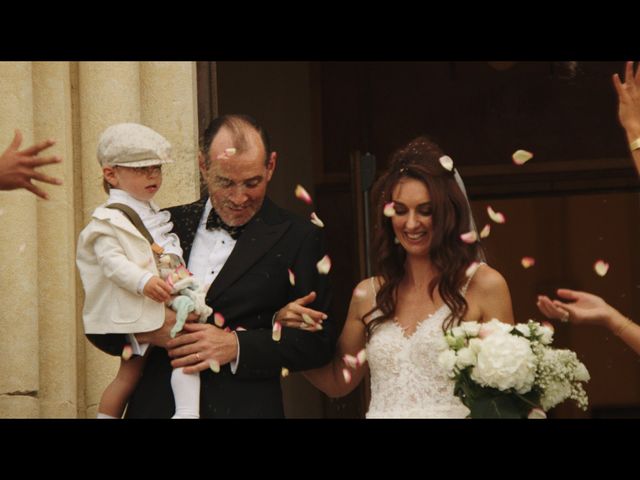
(406, 380)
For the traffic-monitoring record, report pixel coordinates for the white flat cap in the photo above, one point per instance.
(133, 145)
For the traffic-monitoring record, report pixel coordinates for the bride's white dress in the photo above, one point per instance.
(406, 380)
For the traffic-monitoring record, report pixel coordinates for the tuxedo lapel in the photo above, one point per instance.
(186, 220)
(257, 239)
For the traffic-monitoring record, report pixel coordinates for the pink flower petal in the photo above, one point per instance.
(485, 231)
(601, 267)
(218, 319)
(227, 329)
(548, 325)
(471, 269)
(22, 248)
(230, 151)
(469, 237)
(214, 365)
(527, 262)
(362, 356)
(520, 157)
(302, 194)
(292, 277)
(347, 375)
(537, 413)
(446, 162)
(127, 352)
(241, 329)
(359, 293)
(389, 210)
(496, 216)
(276, 334)
(350, 360)
(324, 265)
(284, 372)
(316, 220)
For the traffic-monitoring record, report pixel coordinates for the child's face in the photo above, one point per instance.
(141, 183)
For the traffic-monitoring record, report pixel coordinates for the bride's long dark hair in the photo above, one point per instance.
(451, 218)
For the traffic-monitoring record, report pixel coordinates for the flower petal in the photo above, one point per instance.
(362, 356)
(389, 210)
(22, 248)
(284, 372)
(347, 375)
(316, 220)
(230, 151)
(218, 319)
(496, 216)
(520, 157)
(601, 267)
(302, 194)
(241, 329)
(292, 277)
(446, 162)
(486, 230)
(359, 293)
(537, 413)
(350, 360)
(527, 262)
(127, 352)
(469, 237)
(324, 265)
(214, 365)
(307, 319)
(276, 334)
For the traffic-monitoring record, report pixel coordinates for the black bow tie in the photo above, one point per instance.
(214, 221)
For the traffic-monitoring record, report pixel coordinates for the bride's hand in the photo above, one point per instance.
(296, 315)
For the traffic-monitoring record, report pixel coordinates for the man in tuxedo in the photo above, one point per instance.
(242, 244)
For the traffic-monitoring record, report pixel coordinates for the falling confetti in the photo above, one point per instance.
(302, 194)
(292, 278)
(520, 157)
(362, 356)
(527, 262)
(230, 151)
(324, 265)
(548, 325)
(214, 365)
(472, 269)
(446, 162)
(389, 210)
(241, 329)
(496, 216)
(307, 319)
(469, 237)
(127, 352)
(276, 334)
(22, 248)
(359, 292)
(350, 361)
(1, 211)
(316, 220)
(536, 414)
(284, 372)
(218, 319)
(347, 375)
(601, 267)
(486, 230)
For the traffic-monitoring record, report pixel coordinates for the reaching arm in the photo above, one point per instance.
(629, 108)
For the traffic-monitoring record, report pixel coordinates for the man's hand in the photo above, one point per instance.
(18, 168)
(157, 289)
(161, 336)
(296, 315)
(200, 345)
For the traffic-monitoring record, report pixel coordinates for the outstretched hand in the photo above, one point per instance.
(585, 308)
(629, 100)
(296, 315)
(18, 168)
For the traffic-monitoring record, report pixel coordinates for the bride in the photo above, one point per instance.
(424, 284)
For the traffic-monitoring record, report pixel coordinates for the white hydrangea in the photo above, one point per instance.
(471, 328)
(494, 326)
(505, 361)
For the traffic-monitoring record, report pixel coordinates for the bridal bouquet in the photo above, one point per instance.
(507, 371)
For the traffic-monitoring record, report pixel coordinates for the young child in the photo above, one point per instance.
(121, 270)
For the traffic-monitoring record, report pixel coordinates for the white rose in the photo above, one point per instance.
(494, 326)
(546, 335)
(505, 361)
(466, 358)
(447, 360)
(457, 332)
(581, 373)
(523, 329)
(470, 328)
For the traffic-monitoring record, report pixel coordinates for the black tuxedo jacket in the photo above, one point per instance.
(250, 288)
